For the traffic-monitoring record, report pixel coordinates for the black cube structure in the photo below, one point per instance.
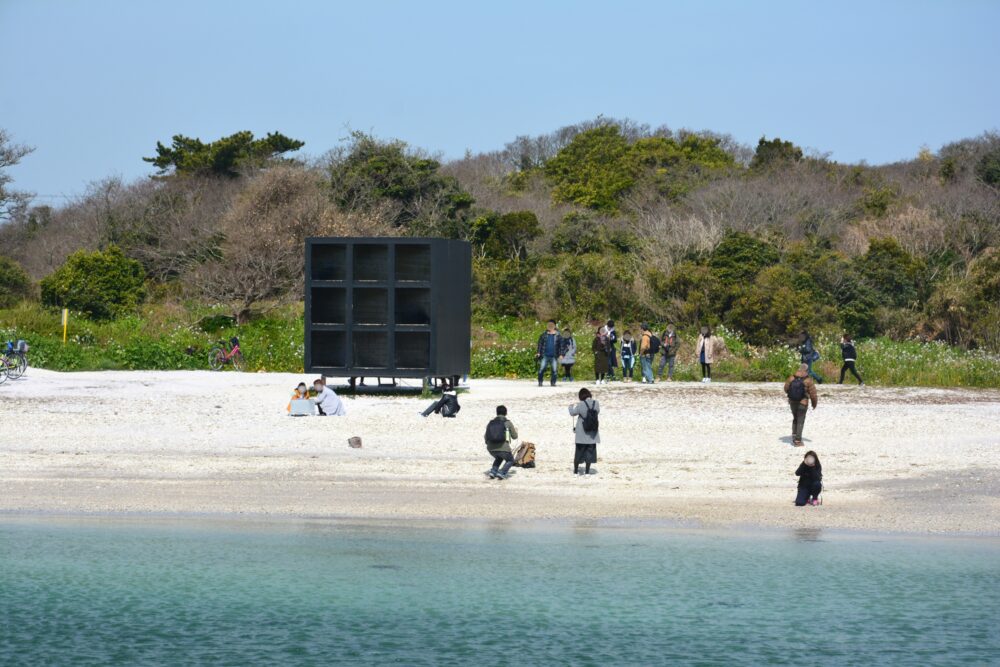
(388, 307)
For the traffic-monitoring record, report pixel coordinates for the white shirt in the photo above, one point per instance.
(330, 403)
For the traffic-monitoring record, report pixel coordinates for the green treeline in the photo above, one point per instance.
(607, 218)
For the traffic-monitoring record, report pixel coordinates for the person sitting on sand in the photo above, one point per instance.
(446, 406)
(327, 402)
(300, 393)
(810, 474)
(499, 432)
(586, 430)
(801, 390)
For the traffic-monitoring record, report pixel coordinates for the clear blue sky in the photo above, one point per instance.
(93, 85)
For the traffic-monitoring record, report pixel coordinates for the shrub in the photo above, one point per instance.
(101, 284)
(15, 285)
(772, 307)
(739, 257)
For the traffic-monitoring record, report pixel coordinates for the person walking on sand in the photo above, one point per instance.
(612, 340)
(801, 390)
(628, 356)
(850, 355)
(548, 353)
(669, 342)
(705, 349)
(600, 349)
(647, 348)
(327, 402)
(586, 431)
(499, 433)
(809, 354)
(810, 474)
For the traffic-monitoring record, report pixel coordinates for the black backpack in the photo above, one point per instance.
(496, 431)
(590, 421)
(797, 389)
(654, 344)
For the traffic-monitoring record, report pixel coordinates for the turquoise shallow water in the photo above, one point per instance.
(113, 593)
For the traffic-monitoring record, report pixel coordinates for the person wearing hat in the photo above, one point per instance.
(801, 390)
(327, 402)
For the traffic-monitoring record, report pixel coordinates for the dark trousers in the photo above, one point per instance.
(439, 406)
(500, 457)
(585, 454)
(628, 366)
(568, 372)
(807, 491)
(669, 363)
(706, 370)
(799, 411)
(552, 364)
(849, 366)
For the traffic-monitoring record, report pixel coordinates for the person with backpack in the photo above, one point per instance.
(801, 390)
(649, 345)
(446, 406)
(705, 349)
(669, 342)
(499, 432)
(567, 354)
(809, 354)
(612, 343)
(600, 349)
(548, 353)
(586, 430)
(810, 474)
(628, 356)
(850, 355)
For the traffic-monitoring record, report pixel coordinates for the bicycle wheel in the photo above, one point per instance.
(3, 369)
(216, 358)
(17, 367)
(237, 360)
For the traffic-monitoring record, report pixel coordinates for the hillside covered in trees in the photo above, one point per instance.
(607, 218)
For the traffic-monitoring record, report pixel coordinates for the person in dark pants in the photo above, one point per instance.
(567, 354)
(628, 356)
(499, 432)
(809, 354)
(669, 342)
(586, 440)
(612, 349)
(801, 390)
(599, 347)
(810, 474)
(548, 353)
(850, 356)
(446, 406)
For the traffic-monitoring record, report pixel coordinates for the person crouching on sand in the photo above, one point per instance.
(810, 474)
(300, 393)
(499, 432)
(586, 430)
(327, 402)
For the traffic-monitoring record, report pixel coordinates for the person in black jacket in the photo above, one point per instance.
(446, 406)
(810, 474)
(850, 356)
(809, 355)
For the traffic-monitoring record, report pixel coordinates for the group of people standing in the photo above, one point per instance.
(555, 350)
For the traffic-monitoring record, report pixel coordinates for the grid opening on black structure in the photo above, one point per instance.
(371, 263)
(413, 305)
(413, 350)
(371, 305)
(329, 262)
(371, 349)
(413, 263)
(329, 305)
(329, 349)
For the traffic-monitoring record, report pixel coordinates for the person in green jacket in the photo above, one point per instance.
(499, 432)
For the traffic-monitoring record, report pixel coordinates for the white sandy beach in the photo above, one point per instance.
(912, 460)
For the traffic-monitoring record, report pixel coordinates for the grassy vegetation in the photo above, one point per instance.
(170, 337)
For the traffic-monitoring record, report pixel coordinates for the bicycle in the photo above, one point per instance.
(226, 352)
(13, 361)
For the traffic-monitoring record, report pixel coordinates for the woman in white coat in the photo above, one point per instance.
(705, 349)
